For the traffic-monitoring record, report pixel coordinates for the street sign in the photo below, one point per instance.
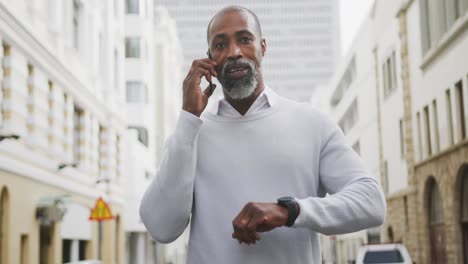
(101, 211)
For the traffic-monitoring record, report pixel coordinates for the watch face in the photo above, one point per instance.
(285, 199)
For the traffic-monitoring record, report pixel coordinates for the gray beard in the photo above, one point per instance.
(241, 88)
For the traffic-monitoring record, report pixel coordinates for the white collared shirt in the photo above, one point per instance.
(264, 101)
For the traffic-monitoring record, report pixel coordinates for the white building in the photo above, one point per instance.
(141, 103)
(61, 130)
(352, 106)
(410, 90)
(303, 42)
(153, 94)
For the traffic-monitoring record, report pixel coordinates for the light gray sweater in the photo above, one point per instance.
(214, 165)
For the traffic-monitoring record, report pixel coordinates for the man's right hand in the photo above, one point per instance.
(194, 100)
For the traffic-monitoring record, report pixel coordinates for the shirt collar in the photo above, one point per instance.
(270, 96)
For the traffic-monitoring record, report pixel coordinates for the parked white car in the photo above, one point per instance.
(383, 254)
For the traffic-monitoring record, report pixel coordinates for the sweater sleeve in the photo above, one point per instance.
(167, 202)
(354, 199)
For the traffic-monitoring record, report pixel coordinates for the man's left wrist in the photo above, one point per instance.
(293, 209)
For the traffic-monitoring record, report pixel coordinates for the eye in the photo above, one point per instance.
(246, 40)
(220, 45)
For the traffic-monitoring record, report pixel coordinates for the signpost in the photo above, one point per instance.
(100, 212)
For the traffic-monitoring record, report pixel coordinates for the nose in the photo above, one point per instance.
(234, 52)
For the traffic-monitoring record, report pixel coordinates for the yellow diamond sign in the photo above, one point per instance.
(101, 211)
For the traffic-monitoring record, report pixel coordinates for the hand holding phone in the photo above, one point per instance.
(194, 100)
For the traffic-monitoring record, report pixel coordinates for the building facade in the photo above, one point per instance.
(61, 130)
(153, 80)
(351, 103)
(302, 39)
(416, 105)
(140, 94)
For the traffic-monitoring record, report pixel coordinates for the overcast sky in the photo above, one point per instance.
(352, 13)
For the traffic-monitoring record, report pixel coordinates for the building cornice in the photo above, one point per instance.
(17, 159)
(444, 153)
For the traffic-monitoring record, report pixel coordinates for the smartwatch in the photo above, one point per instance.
(292, 206)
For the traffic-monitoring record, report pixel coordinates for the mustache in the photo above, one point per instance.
(237, 63)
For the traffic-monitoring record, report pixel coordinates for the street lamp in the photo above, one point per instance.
(11, 136)
(64, 165)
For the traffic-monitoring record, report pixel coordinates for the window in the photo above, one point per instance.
(350, 117)
(464, 213)
(132, 47)
(402, 140)
(77, 123)
(71, 247)
(436, 224)
(24, 249)
(448, 100)
(66, 250)
(437, 17)
(76, 24)
(436, 126)
(4, 224)
(460, 110)
(132, 6)
(117, 239)
(137, 92)
(83, 245)
(116, 71)
(418, 120)
(348, 77)
(384, 256)
(428, 131)
(389, 75)
(426, 34)
(142, 134)
(436, 212)
(405, 204)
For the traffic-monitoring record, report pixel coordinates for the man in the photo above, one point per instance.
(253, 172)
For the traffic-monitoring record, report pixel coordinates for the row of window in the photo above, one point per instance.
(60, 106)
(428, 122)
(77, 36)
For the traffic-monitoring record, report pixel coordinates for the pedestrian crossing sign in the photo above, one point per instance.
(101, 211)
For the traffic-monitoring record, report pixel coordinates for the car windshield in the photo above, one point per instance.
(385, 256)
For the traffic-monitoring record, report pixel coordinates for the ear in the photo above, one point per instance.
(209, 54)
(264, 46)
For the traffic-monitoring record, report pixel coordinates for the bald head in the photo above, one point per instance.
(240, 9)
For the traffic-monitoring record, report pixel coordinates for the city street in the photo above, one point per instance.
(183, 131)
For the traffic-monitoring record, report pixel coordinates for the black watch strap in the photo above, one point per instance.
(292, 206)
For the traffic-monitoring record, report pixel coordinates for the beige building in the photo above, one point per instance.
(61, 130)
(430, 213)
(404, 109)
